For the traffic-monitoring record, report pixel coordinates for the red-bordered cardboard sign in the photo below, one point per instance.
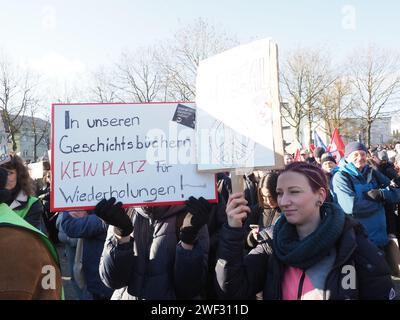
(141, 154)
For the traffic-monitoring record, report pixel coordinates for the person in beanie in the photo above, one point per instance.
(329, 166)
(307, 250)
(361, 191)
(328, 163)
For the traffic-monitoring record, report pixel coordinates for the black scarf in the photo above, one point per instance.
(305, 253)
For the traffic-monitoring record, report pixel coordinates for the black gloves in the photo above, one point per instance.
(197, 216)
(5, 195)
(112, 213)
(375, 194)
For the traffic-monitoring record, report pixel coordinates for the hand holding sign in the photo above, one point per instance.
(112, 213)
(197, 216)
(237, 210)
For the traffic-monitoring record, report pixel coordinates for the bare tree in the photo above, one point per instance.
(17, 92)
(180, 57)
(375, 77)
(138, 76)
(306, 75)
(40, 129)
(336, 104)
(67, 93)
(104, 88)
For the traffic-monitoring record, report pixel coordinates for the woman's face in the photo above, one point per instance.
(268, 200)
(11, 179)
(297, 200)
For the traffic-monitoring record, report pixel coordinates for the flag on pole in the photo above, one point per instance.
(336, 146)
(318, 141)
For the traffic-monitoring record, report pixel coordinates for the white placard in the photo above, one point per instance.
(36, 170)
(237, 100)
(133, 152)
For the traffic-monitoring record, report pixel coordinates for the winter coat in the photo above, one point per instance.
(153, 265)
(350, 187)
(93, 230)
(34, 215)
(241, 277)
(26, 264)
(62, 236)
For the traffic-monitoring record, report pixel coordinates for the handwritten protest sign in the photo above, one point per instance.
(136, 153)
(237, 100)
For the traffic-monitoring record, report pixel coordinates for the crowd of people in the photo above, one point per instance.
(320, 228)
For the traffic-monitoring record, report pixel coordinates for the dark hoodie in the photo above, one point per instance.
(153, 265)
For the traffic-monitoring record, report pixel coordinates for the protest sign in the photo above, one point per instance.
(237, 100)
(36, 170)
(141, 154)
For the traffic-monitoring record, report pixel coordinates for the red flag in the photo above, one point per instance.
(297, 157)
(336, 147)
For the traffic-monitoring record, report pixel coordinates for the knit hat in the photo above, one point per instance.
(383, 156)
(354, 146)
(318, 152)
(327, 157)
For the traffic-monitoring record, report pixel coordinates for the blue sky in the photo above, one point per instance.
(86, 33)
(61, 39)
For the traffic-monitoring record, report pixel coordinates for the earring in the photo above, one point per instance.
(318, 203)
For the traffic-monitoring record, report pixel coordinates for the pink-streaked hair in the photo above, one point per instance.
(315, 175)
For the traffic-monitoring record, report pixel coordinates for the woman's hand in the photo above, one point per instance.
(237, 210)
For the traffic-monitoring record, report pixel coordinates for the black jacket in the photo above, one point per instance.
(241, 277)
(153, 265)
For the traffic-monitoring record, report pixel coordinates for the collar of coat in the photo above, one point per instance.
(20, 200)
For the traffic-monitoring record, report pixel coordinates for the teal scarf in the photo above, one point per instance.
(305, 253)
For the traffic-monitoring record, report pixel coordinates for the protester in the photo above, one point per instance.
(224, 185)
(329, 166)
(49, 217)
(361, 192)
(318, 152)
(155, 252)
(70, 252)
(305, 155)
(29, 268)
(21, 186)
(267, 211)
(93, 231)
(312, 243)
(287, 158)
